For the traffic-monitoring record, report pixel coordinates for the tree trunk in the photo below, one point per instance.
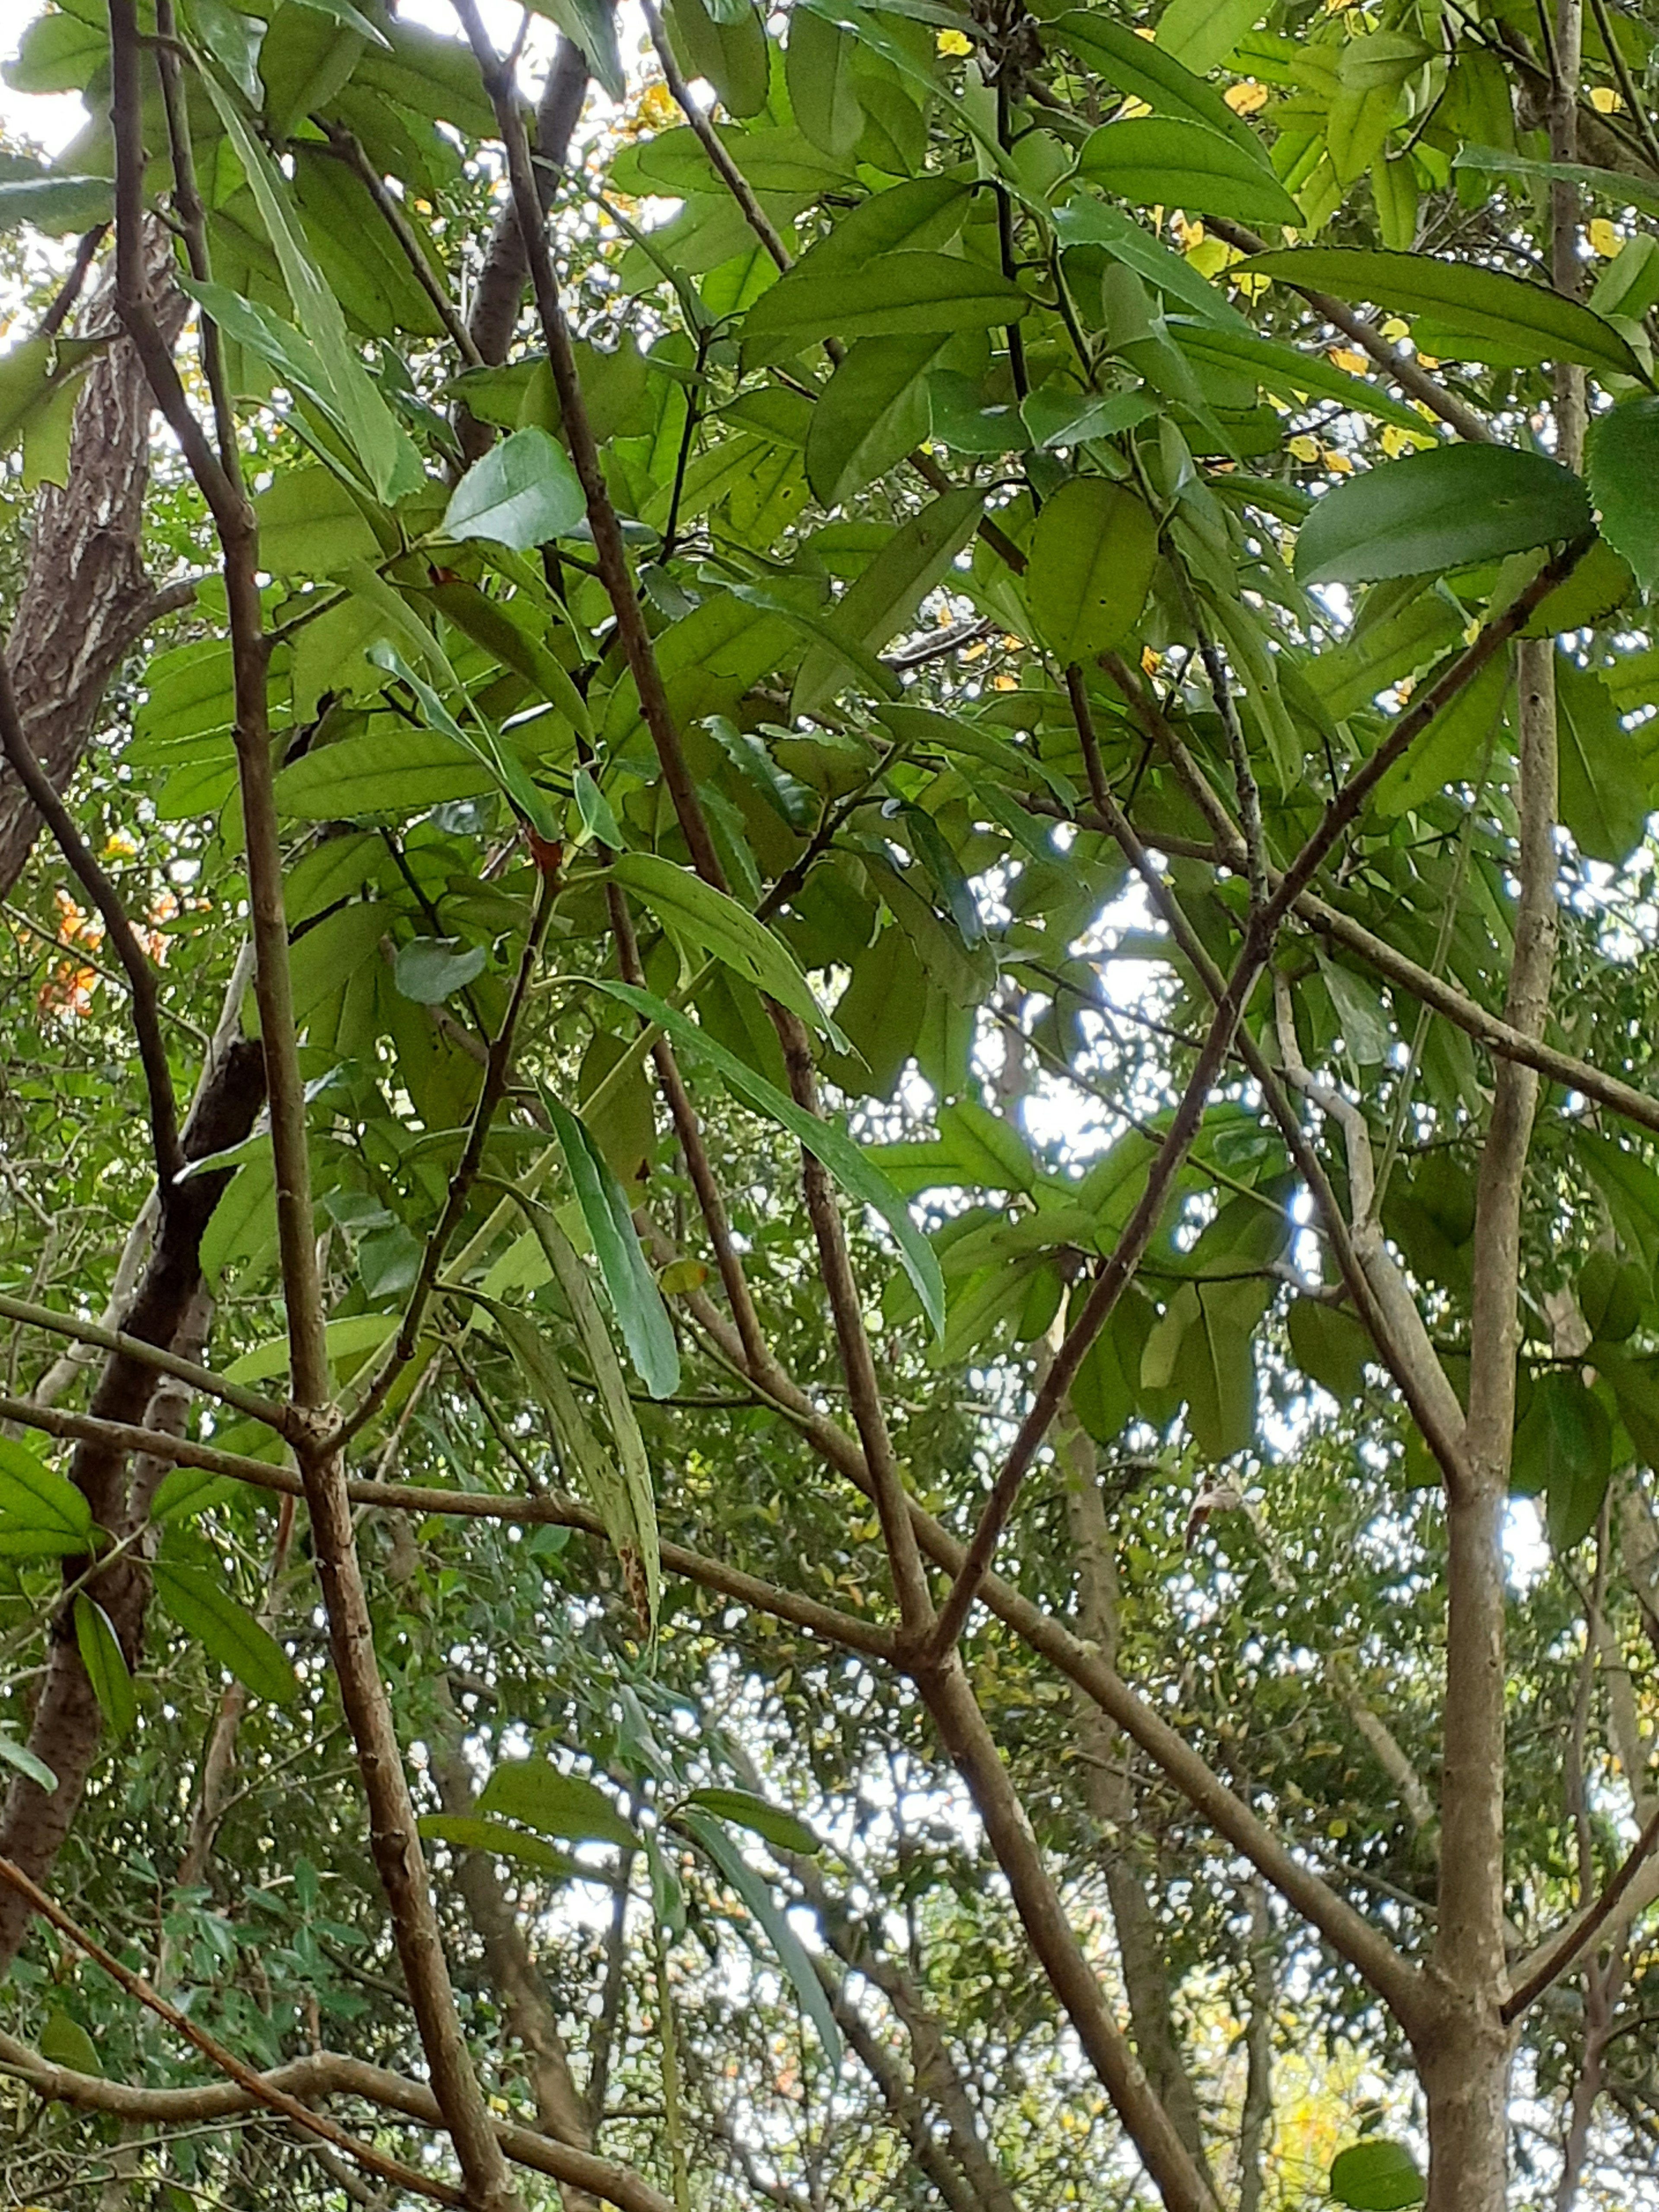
(86, 599)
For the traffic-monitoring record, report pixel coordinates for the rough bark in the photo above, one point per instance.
(65, 1727)
(86, 599)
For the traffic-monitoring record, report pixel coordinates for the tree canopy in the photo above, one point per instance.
(830, 1222)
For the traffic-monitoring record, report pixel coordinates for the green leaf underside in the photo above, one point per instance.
(1448, 508)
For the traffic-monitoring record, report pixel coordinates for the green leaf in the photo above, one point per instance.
(893, 294)
(187, 1491)
(66, 2043)
(984, 1148)
(393, 772)
(627, 1276)
(19, 1756)
(465, 1832)
(592, 805)
(917, 556)
(1564, 1452)
(843, 1159)
(733, 56)
(1445, 509)
(1157, 160)
(105, 1665)
(1201, 32)
(1612, 1293)
(34, 1497)
(523, 493)
(1330, 1348)
(770, 1822)
(1202, 1348)
(203, 1608)
(386, 451)
(535, 1792)
(818, 69)
(1605, 789)
(1622, 186)
(429, 969)
(1084, 221)
(1292, 373)
(1376, 2176)
(923, 212)
(310, 524)
(1151, 73)
(631, 1517)
(54, 204)
(1622, 458)
(720, 1846)
(716, 922)
(874, 411)
(1523, 321)
(1092, 557)
(590, 26)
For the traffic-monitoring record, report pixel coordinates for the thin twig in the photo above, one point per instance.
(139, 969)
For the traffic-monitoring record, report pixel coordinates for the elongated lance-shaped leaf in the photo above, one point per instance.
(105, 1664)
(387, 454)
(635, 1299)
(507, 769)
(718, 1844)
(229, 1632)
(850, 1167)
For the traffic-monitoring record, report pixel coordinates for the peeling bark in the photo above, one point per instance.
(86, 599)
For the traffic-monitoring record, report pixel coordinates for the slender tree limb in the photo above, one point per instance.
(548, 1510)
(139, 968)
(1546, 1968)
(348, 148)
(156, 1356)
(323, 2074)
(498, 1071)
(393, 1835)
(1349, 1936)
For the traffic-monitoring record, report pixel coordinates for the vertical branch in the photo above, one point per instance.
(1258, 2112)
(391, 1814)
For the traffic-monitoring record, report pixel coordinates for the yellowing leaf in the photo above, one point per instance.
(954, 42)
(1247, 98)
(1345, 357)
(1604, 238)
(1605, 101)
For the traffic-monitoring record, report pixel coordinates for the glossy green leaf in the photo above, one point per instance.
(818, 69)
(718, 1845)
(467, 1832)
(105, 1665)
(54, 204)
(893, 294)
(523, 493)
(430, 970)
(634, 1297)
(1092, 558)
(1150, 72)
(535, 1792)
(716, 921)
(1622, 456)
(399, 772)
(205, 1609)
(743, 1809)
(918, 556)
(874, 411)
(1376, 2176)
(1087, 221)
(1157, 160)
(1480, 305)
(19, 1755)
(36, 1498)
(1445, 509)
(845, 1161)
(1201, 32)
(66, 2043)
